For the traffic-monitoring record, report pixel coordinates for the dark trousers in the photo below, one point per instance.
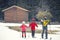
(24, 34)
(45, 31)
(33, 33)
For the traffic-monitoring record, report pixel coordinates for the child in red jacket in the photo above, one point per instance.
(23, 28)
(33, 24)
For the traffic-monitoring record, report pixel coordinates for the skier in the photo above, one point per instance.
(33, 24)
(23, 28)
(45, 22)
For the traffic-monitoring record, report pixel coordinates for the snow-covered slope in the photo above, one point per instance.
(8, 34)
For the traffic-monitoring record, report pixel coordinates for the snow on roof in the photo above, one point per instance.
(16, 7)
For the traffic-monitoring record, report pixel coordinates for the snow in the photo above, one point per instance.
(8, 34)
(50, 27)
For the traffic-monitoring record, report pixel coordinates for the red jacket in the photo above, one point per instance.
(23, 27)
(33, 25)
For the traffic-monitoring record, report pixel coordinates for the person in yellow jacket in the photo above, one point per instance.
(45, 22)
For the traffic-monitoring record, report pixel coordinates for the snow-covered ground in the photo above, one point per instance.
(8, 34)
(50, 27)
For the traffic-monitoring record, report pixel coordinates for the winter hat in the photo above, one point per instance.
(23, 22)
(33, 19)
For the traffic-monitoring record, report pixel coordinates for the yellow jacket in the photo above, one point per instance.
(45, 22)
